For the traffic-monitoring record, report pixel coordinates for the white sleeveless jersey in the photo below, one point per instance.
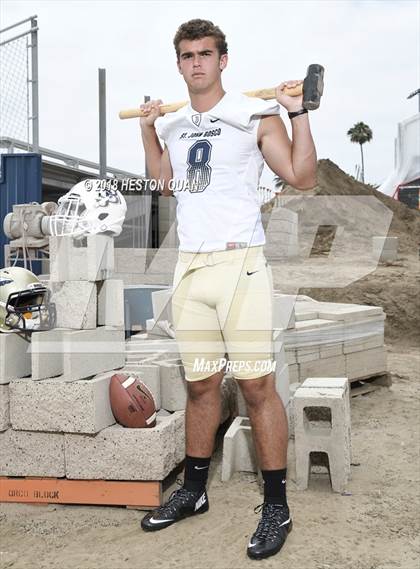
(216, 166)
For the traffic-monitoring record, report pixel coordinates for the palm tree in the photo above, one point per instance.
(278, 184)
(360, 133)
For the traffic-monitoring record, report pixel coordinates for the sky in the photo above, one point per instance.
(369, 50)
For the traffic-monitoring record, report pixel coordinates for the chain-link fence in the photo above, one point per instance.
(19, 85)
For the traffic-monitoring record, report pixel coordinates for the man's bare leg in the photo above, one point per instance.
(268, 420)
(270, 433)
(203, 414)
(202, 419)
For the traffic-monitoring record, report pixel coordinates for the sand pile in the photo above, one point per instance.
(332, 181)
(393, 286)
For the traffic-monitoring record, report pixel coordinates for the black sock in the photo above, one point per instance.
(275, 486)
(196, 472)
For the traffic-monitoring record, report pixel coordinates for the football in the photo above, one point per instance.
(132, 402)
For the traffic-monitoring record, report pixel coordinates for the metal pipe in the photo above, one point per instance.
(34, 83)
(18, 23)
(102, 122)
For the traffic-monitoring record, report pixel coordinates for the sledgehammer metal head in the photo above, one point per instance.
(313, 87)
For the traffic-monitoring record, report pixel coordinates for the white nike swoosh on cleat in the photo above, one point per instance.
(286, 522)
(152, 521)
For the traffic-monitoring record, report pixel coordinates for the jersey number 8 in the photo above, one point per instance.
(199, 170)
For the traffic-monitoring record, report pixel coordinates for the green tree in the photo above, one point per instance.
(360, 133)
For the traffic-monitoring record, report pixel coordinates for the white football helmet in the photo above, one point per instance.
(24, 302)
(90, 207)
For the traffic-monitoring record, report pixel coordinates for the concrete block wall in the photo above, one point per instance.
(26, 453)
(54, 405)
(110, 303)
(4, 407)
(89, 352)
(89, 259)
(47, 353)
(118, 453)
(15, 357)
(76, 303)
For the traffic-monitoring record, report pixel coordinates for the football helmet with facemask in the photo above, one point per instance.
(90, 207)
(24, 302)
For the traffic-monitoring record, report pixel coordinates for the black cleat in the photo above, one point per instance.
(182, 503)
(272, 531)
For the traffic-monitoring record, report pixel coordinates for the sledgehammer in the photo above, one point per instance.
(313, 87)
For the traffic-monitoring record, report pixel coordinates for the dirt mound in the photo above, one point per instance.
(394, 286)
(332, 181)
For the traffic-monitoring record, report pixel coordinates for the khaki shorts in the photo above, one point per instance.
(222, 305)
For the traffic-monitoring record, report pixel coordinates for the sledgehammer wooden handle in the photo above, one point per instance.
(265, 94)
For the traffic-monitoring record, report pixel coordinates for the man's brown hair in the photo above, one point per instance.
(198, 29)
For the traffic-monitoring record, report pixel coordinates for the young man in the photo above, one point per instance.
(216, 146)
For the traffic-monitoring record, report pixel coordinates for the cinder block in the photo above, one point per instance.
(308, 354)
(160, 329)
(314, 434)
(362, 344)
(386, 248)
(55, 405)
(173, 385)
(333, 382)
(111, 303)
(88, 259)
(238, 449)
(4, 407)
(279, 350)
(306, 325)
(327, 351)
(117, 453)
(324, 367)
(282, 384)
(284, 311)
(228, 389)
(290, 355)
(90, 352)
(300, 316)
(292, 390)
(154, 331)
(141, 347)
(162, 304)
(293, 373)
(284, 237)
(47, 353)
(350, 313)
(388, 256)
(15, 356)
(366, 363)
(75, 303)
(25, 453)
(385, 242)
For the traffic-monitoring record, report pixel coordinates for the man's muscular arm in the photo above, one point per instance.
(295, 160)
(157, 160)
